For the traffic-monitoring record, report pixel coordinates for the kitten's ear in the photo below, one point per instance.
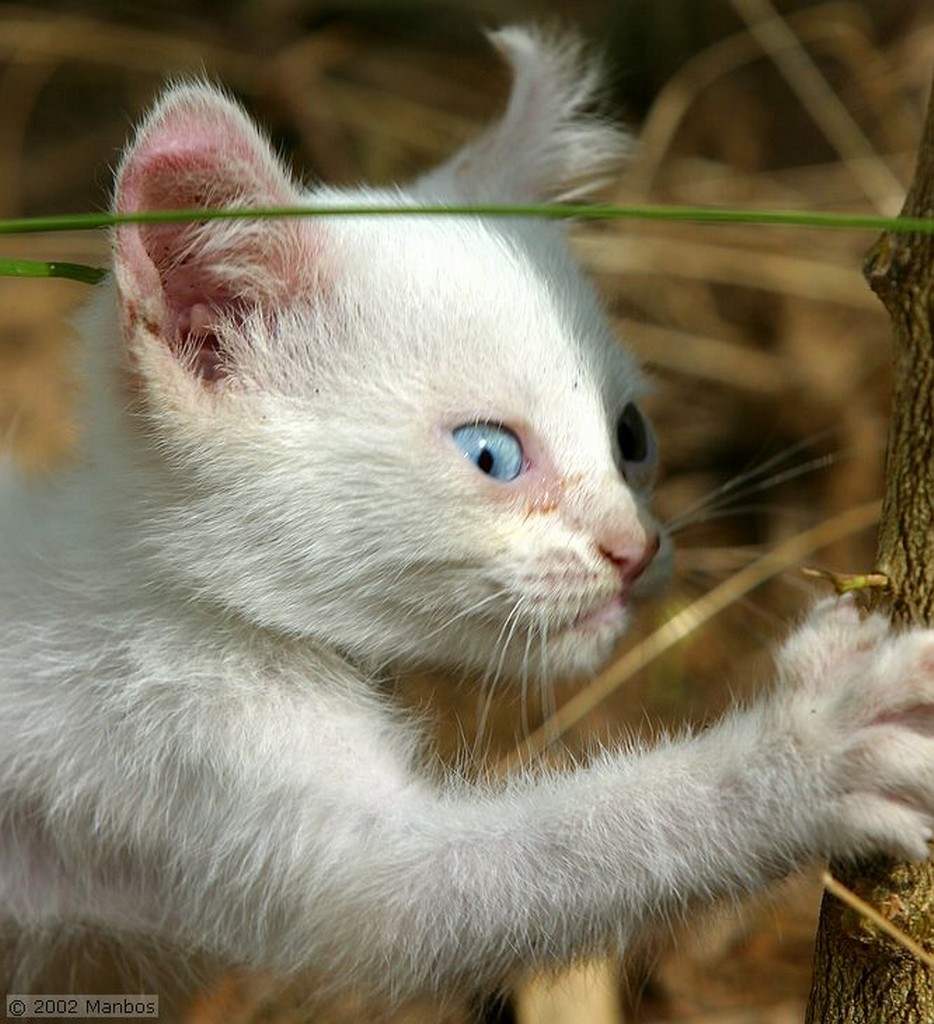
(549, 143)
(180, 283)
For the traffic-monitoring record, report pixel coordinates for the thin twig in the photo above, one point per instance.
(807, 81)
(868, 911)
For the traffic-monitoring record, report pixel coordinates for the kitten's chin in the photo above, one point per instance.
(560, 645)
(579, 647)
(589, 641)
(612, 615)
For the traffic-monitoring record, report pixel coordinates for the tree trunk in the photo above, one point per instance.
(860, 975)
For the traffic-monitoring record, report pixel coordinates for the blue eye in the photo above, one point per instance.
(493, 449)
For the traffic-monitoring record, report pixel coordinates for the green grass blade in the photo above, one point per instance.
(571, 211)
(40, 268)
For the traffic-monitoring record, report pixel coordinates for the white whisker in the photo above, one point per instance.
(466, 612)
(720, 502)
(524, 695)
(546, 693)
(494, 670)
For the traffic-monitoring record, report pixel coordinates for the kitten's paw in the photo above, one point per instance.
(861, 701)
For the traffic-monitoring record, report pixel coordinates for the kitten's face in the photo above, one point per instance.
(501, 415)
(413, 439)
(438, 458)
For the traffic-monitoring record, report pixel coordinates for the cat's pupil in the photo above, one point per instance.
(485, 460)
(632, 435)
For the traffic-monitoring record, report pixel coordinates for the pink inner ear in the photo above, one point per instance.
(198, 150)
(194, 336)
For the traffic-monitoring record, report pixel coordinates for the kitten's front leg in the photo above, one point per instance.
(839, 761)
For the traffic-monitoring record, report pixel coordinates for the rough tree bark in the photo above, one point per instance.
(860, 975)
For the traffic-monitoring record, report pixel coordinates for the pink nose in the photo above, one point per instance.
(632, 559)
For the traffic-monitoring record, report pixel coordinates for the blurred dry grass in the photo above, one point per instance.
(765, 342)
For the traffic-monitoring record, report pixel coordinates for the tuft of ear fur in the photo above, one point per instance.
(550, 143)
(183, 284)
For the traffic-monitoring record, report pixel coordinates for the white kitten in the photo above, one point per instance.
(322, 448)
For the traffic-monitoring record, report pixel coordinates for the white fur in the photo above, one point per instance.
(271, 510)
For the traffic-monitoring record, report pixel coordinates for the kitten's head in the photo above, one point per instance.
(410, 438)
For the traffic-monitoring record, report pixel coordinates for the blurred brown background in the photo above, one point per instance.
(770, 354)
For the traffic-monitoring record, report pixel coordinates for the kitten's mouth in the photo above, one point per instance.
(611, 613)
